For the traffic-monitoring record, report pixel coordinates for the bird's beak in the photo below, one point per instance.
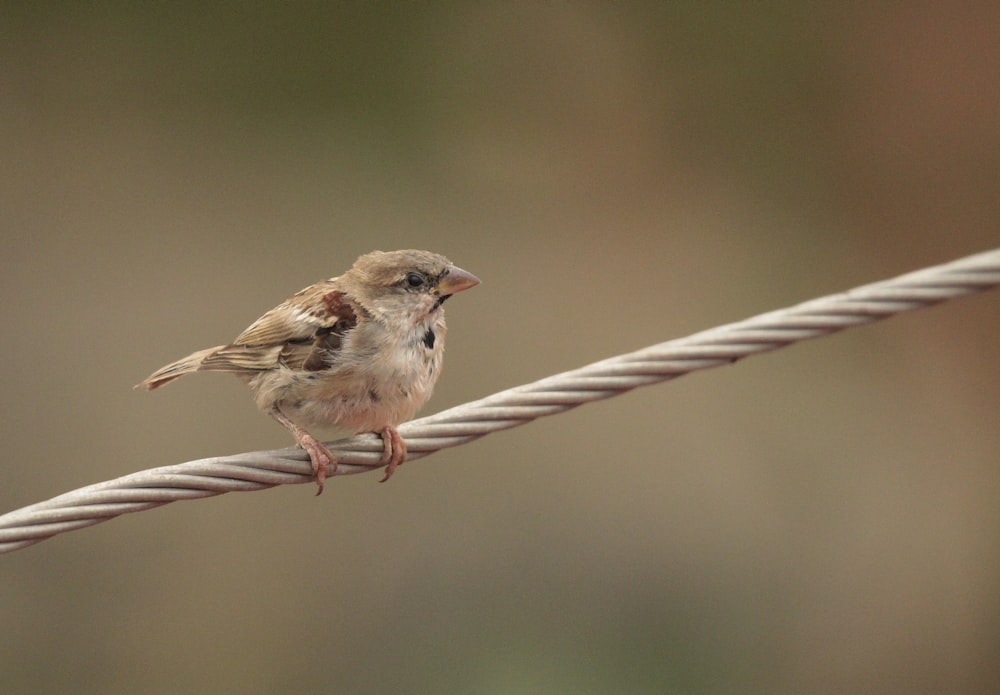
(455, 281)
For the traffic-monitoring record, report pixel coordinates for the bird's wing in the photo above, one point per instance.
(298, 318)
(304, 332)
(300, 332)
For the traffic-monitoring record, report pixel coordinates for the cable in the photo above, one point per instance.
(549, 396)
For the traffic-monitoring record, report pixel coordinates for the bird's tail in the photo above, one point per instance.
(175, 370)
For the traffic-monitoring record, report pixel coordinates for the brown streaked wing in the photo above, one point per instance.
(298, 318)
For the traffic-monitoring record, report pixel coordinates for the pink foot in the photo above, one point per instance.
(320, 457)
(394, 452)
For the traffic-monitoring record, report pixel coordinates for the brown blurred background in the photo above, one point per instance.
(822, 519)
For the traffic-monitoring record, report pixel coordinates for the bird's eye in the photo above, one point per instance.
(414, 279)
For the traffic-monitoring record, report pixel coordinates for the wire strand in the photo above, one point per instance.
(462, 424)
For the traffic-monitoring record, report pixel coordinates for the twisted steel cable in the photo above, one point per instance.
(555, 394)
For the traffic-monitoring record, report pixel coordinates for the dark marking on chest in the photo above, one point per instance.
(429, 339)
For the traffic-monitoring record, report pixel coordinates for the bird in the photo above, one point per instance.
(360, 352)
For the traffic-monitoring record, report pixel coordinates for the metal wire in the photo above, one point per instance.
(555, 394)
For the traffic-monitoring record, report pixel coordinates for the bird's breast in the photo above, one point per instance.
(377, 379)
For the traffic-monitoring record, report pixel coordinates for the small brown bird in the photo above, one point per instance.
(361, 351)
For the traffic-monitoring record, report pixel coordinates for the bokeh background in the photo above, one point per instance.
(821, 519)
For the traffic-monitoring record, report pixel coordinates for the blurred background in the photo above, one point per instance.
(820, 519)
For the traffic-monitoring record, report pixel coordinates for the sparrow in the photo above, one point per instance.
(361, 351)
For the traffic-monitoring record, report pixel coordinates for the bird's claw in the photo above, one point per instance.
(320, 457)
(393, 452)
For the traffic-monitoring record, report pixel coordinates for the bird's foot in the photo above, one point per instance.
(320, 457)
(393, 453)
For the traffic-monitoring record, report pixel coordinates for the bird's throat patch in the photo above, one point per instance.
(429, 338)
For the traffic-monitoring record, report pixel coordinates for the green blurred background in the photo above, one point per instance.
(822, 519)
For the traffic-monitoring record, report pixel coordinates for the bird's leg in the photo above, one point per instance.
(319, 455)
(394, 452)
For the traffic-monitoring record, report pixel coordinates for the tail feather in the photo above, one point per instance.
(175, 370)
